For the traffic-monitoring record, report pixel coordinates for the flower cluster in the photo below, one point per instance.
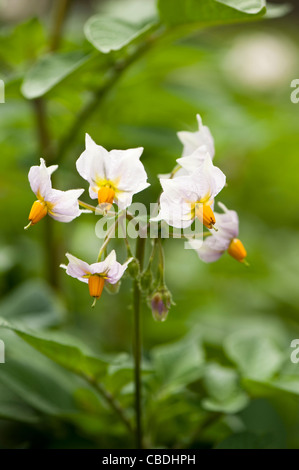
(189, 193)
(114, 177)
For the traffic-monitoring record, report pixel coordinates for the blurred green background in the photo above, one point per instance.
(240, 388)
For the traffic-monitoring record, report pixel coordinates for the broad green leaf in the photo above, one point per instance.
(128, 9)
(178, 364)
(36, 380)
(50, 70)
(257, 357)
(208, 12)
(22, 44)
(222, 385)
(12, 408)
(65, 353)
(262, 418)
(108, 34)
(246, 440)
(34, 304)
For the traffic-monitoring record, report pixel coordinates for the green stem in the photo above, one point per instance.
(111, 231)
(60, 12)
(161, 264)
(46, 150)
(137, 344)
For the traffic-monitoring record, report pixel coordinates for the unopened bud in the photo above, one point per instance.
(160, 303)
(133, 268)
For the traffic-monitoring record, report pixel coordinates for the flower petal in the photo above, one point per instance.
(192, 162)
(211, 249)
(39, 178)
(63, 205)
(77, 268)
(91, 163)
(117, 271)
(193, 140)
(208, 179)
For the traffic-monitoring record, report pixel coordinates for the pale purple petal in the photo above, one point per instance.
(103, 267)
(77, 268)
(211, 248)
(228, 222)
(116, 271)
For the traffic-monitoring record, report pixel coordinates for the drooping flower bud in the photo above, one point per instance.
(236, 250)
(134, 269)
(160, 303)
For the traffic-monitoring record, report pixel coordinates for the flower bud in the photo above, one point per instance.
(160, 303)
(134, 269)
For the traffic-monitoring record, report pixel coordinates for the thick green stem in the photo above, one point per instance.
(46, 151)
(60, 11)
(137, 344)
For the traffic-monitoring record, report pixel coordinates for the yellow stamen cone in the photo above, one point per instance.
(106, 195)
(38, 211)
(96, 285)
(205, 214)
(236, 250)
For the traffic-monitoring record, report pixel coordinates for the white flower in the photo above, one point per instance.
(187, 197)
(225, 239)
(60, 205)
(113, 176)
(97, 274)
(193, 140)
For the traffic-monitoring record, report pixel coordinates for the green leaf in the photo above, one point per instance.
(222, 385)
(34, 379)
(12, 408)
(207, 12)
(49, 71)
(34, 304)
(22, 44)
(178, 364)
(108, 34)
(62, 351)
(257, 357)
(246, 440)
